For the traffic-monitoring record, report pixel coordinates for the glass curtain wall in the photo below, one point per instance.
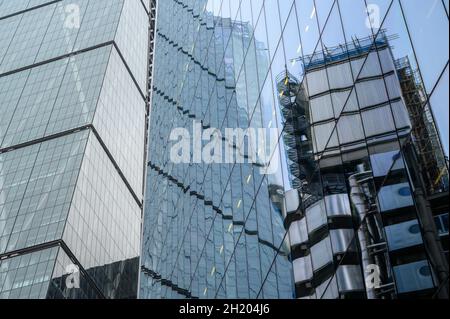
(357, 91)
(72, 143)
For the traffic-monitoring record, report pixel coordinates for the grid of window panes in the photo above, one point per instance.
(358, 90)
(72, 144)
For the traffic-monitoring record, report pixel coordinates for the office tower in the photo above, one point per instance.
(347, 167)
(366, 165)
(73, 93)
(211, 230)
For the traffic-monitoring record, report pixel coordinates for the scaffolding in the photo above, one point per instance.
(425, 134)
(350, 50)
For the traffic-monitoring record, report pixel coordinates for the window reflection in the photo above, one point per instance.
(357, 103)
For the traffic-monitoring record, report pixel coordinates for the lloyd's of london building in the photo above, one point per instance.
(92, 204)
(358, 207)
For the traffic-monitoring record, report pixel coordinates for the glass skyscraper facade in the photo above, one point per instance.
(210, 231)
(128, 168)
(358, 208)
(73, 104)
